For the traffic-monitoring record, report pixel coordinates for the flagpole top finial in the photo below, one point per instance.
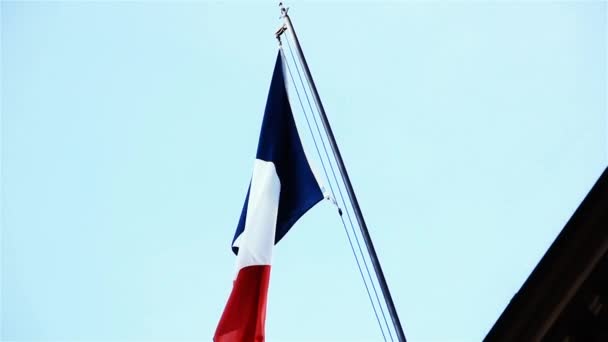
(283, 9)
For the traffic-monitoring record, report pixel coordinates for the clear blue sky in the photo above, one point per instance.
(471, 131)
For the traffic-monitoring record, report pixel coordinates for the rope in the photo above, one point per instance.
(340, 191)
(332, 191)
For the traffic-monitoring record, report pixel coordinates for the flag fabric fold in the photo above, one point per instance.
(282, 189)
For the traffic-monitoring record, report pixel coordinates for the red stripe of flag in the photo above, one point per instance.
(245, 313)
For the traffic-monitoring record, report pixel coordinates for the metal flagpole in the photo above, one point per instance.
(349, 188)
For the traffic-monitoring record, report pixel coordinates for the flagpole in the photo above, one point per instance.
(349, 188)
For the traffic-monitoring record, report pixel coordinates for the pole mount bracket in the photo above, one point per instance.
(280, 31)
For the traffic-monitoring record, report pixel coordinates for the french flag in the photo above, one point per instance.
(283, 187)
